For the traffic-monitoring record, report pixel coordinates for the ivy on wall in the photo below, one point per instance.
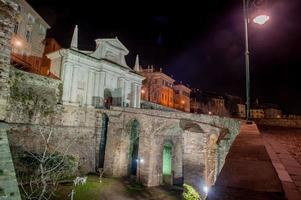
(34, 99)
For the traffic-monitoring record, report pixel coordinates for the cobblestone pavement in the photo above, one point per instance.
(290, 138)
(283, 146)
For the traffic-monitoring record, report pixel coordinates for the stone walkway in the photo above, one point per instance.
(288, 169)
(248, 172)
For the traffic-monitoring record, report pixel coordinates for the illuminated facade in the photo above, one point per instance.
(257, 113)
(157, 87)
(96, 78)
(182, 97)
(27, 41)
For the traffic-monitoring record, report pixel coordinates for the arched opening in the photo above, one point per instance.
(134, 147)
(108, 98)
(167, 164)
(103, 140)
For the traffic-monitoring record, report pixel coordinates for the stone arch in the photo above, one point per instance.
(134, 129)
(172, 160)
(103, 139)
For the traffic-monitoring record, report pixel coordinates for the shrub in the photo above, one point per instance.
(190, 193)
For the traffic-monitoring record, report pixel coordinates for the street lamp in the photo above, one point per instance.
(261, 19)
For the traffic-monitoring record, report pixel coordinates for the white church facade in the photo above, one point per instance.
(93, 78)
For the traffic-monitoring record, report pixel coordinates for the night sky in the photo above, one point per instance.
(200, 44)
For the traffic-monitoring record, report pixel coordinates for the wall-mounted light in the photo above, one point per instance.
(18, 43)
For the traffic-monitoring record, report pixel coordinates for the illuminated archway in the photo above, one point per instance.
(167, 163)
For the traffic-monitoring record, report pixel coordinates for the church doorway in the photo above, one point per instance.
(108, 99)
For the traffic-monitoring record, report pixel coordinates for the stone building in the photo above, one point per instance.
(272, 113)
(27, 41)
(181, 97)
(257, 113)
(195, 106)
(95, 78)
(241, 110)
(157, 87)
(210, 102)
(8, 181)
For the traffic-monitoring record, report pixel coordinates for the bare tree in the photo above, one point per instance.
(49, 167)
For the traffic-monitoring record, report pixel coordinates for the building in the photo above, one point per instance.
(257, 113)
(51, 45)
(241, 108)
(181, 97)
(209, 102)
(27, 40)
(157, 86)
(272, 113)
(195, 106)
(271, 110)
(96, 78)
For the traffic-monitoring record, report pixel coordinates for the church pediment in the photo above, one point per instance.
(111, 49)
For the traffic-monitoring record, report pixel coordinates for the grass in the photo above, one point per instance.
(91, 190)
(116, 188)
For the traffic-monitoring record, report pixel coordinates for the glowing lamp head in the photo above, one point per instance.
(210, 113)
(143, 91)
(183, 102)
(141, 160)
(261, 19)
(18, 43)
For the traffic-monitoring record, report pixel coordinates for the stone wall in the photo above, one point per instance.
(35, 107)
(75, 133)
(200, 144)
(7, 17)
(291, 123)
(8, 183)
(154, 106)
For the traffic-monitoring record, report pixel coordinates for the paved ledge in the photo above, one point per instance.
(288, 169)
(248, 172)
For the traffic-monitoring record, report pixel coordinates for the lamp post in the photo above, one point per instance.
(261, 19)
